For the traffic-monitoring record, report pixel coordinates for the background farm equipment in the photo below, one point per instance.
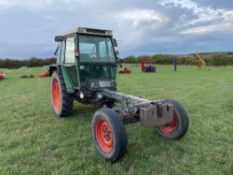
(27, 76)
(2, 75)
(41, 75)
(86, 71)
(201, 62)
(124, 70)
(148, 66)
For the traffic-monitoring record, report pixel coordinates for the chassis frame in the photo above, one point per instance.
(151, 113)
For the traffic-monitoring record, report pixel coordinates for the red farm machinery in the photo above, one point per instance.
(124, 70)
(148, 66)
(2, 75)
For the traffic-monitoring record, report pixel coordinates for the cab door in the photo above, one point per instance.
(69, 64)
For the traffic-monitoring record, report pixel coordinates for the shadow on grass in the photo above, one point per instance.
(81, 111)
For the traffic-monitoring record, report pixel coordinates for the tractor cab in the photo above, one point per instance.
(87, 59)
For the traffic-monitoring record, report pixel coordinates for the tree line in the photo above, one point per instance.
(32, 62)
(217, 59)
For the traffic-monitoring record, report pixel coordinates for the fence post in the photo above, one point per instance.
(174, 63)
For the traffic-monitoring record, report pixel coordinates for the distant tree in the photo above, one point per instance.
(130, 59)
(32, 62)
(212, 59)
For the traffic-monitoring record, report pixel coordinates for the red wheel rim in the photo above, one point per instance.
(104, 135)
(56, 95)
(168, 129)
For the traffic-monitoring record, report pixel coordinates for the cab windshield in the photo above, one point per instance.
(96, 49)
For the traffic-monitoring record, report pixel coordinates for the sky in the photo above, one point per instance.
(28, 27)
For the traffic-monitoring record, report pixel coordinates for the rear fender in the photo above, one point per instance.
(52, 68)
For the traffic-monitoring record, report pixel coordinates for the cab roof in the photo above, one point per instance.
(91, 31)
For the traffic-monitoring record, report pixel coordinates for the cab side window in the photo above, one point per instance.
(102, 49)
(62, 52)
(58, 52)
(69, 51)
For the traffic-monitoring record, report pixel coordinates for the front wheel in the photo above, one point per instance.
(109, 134)
(179, 125)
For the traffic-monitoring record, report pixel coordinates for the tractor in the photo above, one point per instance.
(86, 71)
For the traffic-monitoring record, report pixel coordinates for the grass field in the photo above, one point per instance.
(34, 141)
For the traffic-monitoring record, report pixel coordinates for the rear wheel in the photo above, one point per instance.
(109, 134)
(179, 125)
(62, 101)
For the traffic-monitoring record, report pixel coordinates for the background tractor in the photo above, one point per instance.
(86, 71)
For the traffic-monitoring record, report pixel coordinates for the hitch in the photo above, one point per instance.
(158, 114)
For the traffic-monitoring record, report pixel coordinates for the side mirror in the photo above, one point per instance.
(59, 38)
(117, 56)
(115, 42)
(55, 53)
(117, 53)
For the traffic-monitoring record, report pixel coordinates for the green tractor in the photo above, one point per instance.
(86, 71)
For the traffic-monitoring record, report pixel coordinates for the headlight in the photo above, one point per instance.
(81, 95)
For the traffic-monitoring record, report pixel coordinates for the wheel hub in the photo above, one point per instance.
(169, 128)
(56, 95)
(104, 136)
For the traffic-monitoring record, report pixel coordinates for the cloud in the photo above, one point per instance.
(136, 25)
(201, 30)
(181, 3)
(28, 4)
(40, 4)
(206, 29)
(143, 27)
(226, 4)
(207, 18)
(138, 16)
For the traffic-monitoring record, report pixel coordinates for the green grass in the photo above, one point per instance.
(35, 141)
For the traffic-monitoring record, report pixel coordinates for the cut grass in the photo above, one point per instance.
(35, 141)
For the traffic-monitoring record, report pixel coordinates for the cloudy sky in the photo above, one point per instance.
(28, 27)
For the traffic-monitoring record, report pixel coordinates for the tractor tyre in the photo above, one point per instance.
(62, 101)
(179, 125)
(109, 134)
